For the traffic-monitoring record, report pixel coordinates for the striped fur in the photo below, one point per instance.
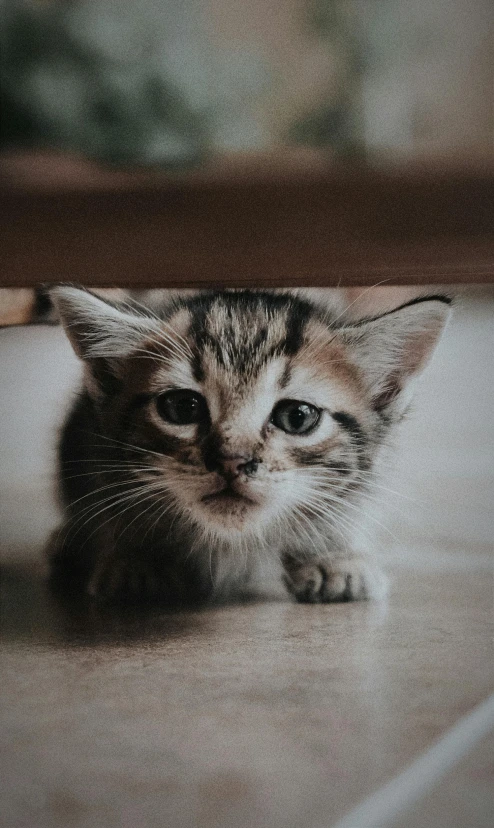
(179, 512)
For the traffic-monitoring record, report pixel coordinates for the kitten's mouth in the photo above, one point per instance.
(227, 496)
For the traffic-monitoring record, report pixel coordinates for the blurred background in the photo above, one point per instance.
(173, 82)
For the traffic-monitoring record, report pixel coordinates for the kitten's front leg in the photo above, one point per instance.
(108, 573)
(340, 579)
(137, 579)
(117, 578)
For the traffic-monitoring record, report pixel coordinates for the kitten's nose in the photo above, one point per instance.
(231, 466)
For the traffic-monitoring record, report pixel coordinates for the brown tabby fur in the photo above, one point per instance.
(172, 512)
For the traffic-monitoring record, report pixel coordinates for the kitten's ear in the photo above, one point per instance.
(96, 328)
(392, 349)
(100, 333)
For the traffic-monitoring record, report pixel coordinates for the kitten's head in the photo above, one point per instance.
(251, 407)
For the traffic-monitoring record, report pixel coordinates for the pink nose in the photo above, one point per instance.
(233, 466)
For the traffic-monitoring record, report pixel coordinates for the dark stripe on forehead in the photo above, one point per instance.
(240, 301)
(299, 313)
(286, 376)
(241, 306)
(196, 365)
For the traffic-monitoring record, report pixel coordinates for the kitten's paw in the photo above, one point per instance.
(342, 580)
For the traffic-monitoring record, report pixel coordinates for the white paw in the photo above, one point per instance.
(342, 580)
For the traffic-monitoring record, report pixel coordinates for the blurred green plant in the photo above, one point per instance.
(129, 83)
(141, 83)
(337, 122)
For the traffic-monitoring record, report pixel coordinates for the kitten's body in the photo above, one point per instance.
(181, 511)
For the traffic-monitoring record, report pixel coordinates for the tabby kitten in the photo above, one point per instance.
(227, 429)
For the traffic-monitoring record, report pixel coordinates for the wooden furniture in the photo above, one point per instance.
(281, 221)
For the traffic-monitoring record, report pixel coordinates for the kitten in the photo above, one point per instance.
(226, 428)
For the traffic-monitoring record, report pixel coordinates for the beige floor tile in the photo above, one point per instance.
(464, 799)
(267, 714)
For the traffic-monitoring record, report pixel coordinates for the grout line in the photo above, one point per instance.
(424, 773)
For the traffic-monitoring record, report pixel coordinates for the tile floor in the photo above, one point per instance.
(269, 714)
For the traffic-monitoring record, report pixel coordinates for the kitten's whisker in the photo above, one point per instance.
(161, 512)
(156, 324)
(108, 462)
(335, 520)
(332, 525)
(92, 510)
(321, 476)
(175, 349)
(324, 513)
(111, 501)
(139, 309)
(186, 344)
(372, 499)
(360, 476)
(142, 353)
(144, 497)
(162, 338)
(102, 489)
(301, 516)
(140, 514)
(110, 470)
(130, 446)
(364, 292)
(367, 515)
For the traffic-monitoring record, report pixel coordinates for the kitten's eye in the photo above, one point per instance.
(182, 407)
(295, 417)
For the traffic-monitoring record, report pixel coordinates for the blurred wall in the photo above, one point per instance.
(166, 81)
(427, 77)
